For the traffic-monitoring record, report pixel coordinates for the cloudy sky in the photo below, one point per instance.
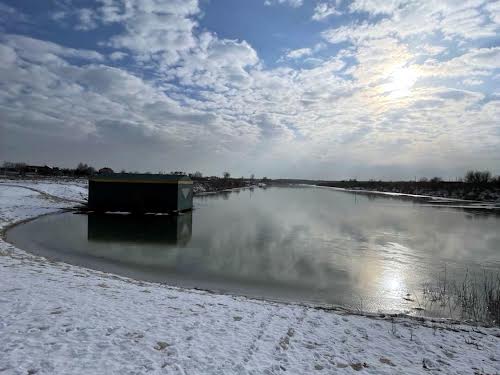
(283, 88)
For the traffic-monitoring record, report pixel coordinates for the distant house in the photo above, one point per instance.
(105, 170)
(38, 170)
(9, 171)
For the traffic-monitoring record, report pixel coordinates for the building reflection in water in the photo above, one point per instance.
(153, 229)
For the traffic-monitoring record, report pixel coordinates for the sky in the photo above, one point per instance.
(319, 89)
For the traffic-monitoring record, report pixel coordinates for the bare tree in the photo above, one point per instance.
(477, 177)
(106, 170)
(84, 170)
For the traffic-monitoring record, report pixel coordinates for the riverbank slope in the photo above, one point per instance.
(489, 192)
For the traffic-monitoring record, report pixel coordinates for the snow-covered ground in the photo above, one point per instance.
(62, 319)
(71, 189)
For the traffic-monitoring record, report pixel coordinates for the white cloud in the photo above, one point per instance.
(7, 55)
(218, 63)
(43, 51)
(86, 19)
(59, 15)
(299, 53)
(376, 7)
(108, 104)
(211, 101)
(493, 9)
(472, 82)
(416, 18)
(431, 50)
(161, 30)
(292, 3)
(356, 32)
(477, 61)
(117, 55)
(324, 10)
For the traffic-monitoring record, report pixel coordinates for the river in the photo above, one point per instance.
(301, 244)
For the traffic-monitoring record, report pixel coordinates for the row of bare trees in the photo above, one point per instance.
(480, 177)
(471, 177)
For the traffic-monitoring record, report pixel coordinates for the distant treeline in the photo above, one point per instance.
(476, 185)
(471, 177)
(23, 169)
(85, 170)
(474, 177)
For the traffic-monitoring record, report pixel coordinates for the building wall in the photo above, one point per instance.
(138, 197)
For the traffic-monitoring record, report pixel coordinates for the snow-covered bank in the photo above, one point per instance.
(204, 186)
(61, 319)
(487, 192)
(429, 199)
(73, 189)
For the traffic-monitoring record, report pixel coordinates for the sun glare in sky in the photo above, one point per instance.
(401, 81)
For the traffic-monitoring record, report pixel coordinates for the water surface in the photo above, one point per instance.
(300, 244)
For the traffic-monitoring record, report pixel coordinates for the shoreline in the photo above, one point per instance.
(472, 204)
(450, 190)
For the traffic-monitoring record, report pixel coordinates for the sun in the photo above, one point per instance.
(400, 81)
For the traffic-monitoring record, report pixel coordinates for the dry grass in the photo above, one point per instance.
(476, 298)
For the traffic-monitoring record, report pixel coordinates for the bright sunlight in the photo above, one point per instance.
(401, 80)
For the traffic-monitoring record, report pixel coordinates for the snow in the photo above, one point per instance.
(74, 189)
(459, 203)
(61, 319)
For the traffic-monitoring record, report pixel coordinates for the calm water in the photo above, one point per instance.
(301, 244)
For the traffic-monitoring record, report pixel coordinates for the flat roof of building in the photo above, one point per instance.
(144, 178)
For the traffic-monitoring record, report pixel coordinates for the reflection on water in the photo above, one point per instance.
(166, 229)
(301, 244)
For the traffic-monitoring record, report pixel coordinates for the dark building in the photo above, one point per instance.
(42, 170)
(140, 193)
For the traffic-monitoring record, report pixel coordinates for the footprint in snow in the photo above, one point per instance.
(358, 366)
(161, 345)
(386, 361)
(135, 336)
